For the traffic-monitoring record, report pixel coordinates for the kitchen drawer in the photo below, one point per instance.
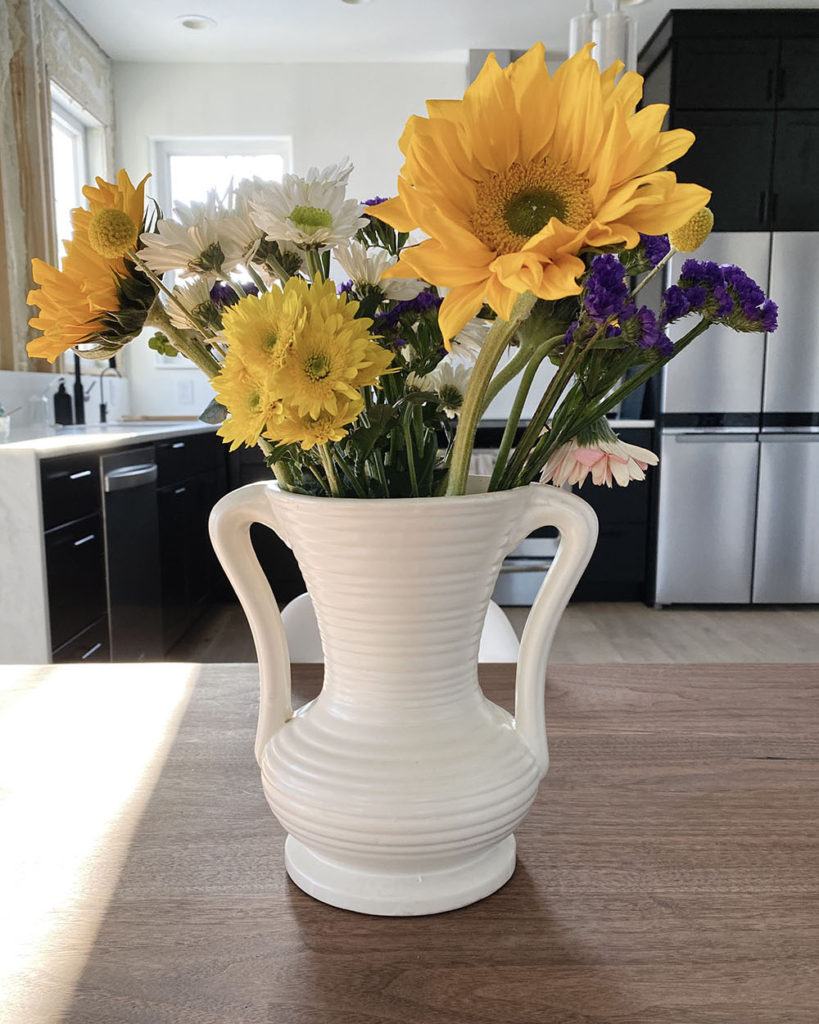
(71, 488)
(178, 458)
(90, 645)
(75, 567)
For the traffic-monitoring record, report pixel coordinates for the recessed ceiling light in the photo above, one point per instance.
(355, 1)
(197, 22)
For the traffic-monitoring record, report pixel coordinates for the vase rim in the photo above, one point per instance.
(474, 497)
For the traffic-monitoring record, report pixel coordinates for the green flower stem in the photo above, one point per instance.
(256, 278)
(408, 441)
(609, 401)
(653, 272)
(330, 470)
(237, 288)
(277, 269)
(189, 316)
(347, 468)
(380, 472)
(513, 368)
(313, 261)
(196, 351)
(492, 349)
(524, 387)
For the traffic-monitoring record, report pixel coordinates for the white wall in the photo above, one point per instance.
(329, 110)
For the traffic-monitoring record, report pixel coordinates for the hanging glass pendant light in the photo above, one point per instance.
(581, 28)
(616, 37)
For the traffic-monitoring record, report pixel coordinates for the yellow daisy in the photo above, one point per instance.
(261, 329)
(75, 300)
(525, 172)
(332, 356)
(250, 399)
(309, 431)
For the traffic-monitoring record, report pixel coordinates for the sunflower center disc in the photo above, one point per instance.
(528, 212)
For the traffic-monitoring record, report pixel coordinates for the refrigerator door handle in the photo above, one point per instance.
(710, 437)
(801, 438)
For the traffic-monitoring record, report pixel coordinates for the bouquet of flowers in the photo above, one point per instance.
(529, 216)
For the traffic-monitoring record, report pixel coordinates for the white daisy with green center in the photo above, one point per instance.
(311, 214)
(365, 266)
(194, 297)
(449, 380)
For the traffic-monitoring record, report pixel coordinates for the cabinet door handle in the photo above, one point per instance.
(763, 207)
(90, 651)
(178, 444)
(180, 490)
(780, 84)
(78, 476)
(84, 540)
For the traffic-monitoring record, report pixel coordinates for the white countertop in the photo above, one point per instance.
(45, 442)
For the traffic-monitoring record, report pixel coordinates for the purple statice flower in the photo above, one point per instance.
(704, 272)
(606, 290)
(222, 295)
(754, 312)
(656, 248)
(724, 294)
(374, 201)
(676, 304)
(644, 329)
(346, 288)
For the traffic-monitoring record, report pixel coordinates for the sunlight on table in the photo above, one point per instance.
(81, 749)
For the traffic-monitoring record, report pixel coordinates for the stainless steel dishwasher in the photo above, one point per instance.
(132, 555)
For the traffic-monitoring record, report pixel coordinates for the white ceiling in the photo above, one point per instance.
(330, 30)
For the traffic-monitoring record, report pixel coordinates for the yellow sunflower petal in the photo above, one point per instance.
(458, 308)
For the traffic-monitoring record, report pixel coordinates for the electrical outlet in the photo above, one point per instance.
(184, 392)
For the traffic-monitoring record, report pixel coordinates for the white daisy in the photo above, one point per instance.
(336, 174)
(365, 267)
(467, 343)
(195, 297)
(449, 380)
(206, 238)
(306, 213)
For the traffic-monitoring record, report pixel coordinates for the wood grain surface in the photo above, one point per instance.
(667, 874)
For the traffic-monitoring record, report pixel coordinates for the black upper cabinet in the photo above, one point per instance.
(747, 84)
(725, 74)
(795, 195)
(732, 157)
(797, 83)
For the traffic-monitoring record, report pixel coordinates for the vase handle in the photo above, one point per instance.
(230, 522)
(577, 523)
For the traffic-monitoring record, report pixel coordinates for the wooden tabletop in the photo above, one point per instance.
(667, 874)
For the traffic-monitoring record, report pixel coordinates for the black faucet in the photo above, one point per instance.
(112, 366)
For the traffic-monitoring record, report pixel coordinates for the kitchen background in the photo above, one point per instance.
(333, 78)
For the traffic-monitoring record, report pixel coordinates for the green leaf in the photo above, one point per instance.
(214, 412)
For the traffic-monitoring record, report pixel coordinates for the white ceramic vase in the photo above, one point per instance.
(400, 785)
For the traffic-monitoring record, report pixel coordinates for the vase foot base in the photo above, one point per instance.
(404, 894)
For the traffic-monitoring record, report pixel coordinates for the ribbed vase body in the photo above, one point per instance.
(400, 785)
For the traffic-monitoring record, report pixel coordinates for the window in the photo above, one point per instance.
(77, 156)
(187, 168)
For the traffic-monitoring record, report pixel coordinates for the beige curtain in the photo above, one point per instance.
(39, 41)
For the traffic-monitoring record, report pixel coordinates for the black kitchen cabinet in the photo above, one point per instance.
(192, 478)
(732, 156)
(713, 73)
(617, 569)
(747, 84)
(74, 556)
(247, 466)
(795, 196)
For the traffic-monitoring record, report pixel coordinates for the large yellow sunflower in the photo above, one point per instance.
(526, 171)
(76, 301)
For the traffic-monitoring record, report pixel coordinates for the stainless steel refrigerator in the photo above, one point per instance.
(738, 515)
